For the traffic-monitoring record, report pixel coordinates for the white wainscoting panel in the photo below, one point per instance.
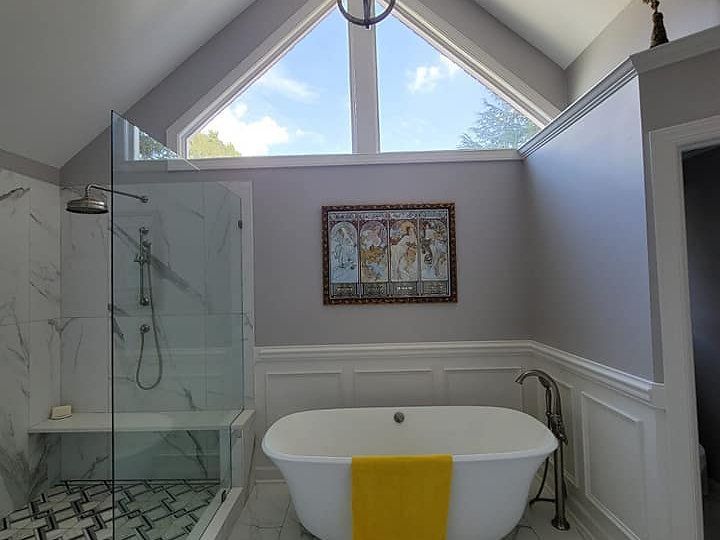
(614, 460)
(289, 392)
(393, 388)
(483, 386)
(614, 465)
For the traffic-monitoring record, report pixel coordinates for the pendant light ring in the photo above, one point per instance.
(367, 21)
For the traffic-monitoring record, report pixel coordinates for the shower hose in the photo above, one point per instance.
(157, 380)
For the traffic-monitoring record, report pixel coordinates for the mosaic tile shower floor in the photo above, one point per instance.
(143, 511)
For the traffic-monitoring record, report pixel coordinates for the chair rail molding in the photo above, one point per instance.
(625, 413)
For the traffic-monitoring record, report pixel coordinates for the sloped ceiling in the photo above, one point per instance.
(64, 64)
(561, 29)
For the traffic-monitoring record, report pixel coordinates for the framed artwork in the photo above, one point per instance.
(389, 253)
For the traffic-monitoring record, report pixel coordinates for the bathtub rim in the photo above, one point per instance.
(549, 446)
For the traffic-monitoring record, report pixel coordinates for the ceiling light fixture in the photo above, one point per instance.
(368, 19)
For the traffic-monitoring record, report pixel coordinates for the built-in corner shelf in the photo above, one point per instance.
(85, 422)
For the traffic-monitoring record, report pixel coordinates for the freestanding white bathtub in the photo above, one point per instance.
(496, 453)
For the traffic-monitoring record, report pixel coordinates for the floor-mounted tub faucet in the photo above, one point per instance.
(553, 413)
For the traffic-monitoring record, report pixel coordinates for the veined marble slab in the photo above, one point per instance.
(150, 421)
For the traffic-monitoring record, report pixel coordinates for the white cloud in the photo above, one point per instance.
(426, 78)
(249, 138)
(275, 80)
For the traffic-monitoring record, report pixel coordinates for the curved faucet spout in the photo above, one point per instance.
(548, 382)
(553, 404)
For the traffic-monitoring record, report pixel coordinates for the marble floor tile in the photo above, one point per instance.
(266, 506)
(248, 532)
(269, 515)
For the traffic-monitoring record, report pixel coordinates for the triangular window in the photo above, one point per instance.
(334, 88)
(299, 106)
(427, 101)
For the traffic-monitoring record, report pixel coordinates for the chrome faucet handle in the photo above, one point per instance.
(558, 428)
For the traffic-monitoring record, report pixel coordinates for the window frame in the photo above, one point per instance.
(364, 100)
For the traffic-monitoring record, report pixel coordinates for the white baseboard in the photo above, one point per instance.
(608, 413)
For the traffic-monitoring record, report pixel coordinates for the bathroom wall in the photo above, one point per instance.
(492, 251)
(30, 331)
(630, 33)
(668, 98)
(590, 265)
(702, 200)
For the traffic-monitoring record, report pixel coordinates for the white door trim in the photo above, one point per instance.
(667, 211)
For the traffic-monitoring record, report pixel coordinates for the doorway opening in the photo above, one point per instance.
(701, 186)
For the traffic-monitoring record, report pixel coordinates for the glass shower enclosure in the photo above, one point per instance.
(177, 338)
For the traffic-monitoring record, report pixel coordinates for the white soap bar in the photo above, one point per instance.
(63, 411)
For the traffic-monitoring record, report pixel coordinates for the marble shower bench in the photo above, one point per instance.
(88, 422)
(235, 429)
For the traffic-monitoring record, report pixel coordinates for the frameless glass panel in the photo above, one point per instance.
(429, 102)
(177, 337)
(301, 105)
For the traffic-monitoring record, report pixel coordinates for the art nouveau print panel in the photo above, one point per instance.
(389, 253)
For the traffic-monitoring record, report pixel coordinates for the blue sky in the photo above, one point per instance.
(301, 105)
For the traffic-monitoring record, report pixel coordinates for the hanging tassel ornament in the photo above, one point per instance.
(659, 34)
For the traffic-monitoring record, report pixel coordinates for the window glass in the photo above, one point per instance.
(301, 105)
(428, 102)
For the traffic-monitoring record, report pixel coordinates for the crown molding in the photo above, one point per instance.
(613, 81)
(677, 51)
(634, 66)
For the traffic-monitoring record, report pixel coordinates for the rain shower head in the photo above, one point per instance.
(87, 204)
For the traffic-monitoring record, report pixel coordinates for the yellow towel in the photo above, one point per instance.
(400, 497)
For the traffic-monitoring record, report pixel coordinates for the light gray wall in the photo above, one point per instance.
(590, 265)
(493, 262)
(672, 95)
(702, 200)
(681, 92)
(491, 239)
(28, 167)
(172, 97)
(630, 33)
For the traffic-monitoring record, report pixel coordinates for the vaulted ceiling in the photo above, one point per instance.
(561, 29)
(64, 64)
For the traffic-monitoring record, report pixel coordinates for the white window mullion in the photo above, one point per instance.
(363, 86)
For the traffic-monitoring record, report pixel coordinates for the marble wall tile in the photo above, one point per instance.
(14, 392)
(191, 455)
(44, 251)
(85, 363)
(174, 217)
(85, 260)
(29, 342)
(15, 247)
(44, 368)
(44, 459)
(223, 249)
(86, 456)
(182, 346)
(224, 361)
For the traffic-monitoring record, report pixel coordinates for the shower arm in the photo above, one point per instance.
(141, 198)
